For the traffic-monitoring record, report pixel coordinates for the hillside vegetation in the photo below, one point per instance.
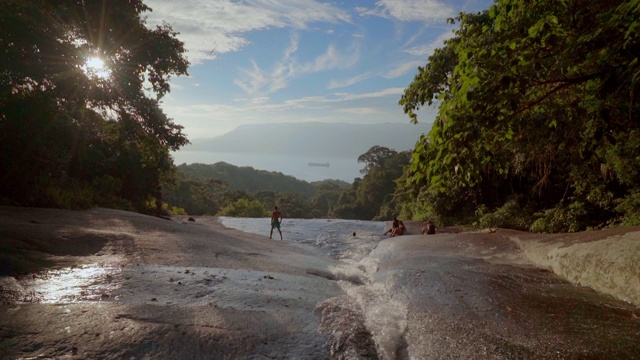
(537, 124)
(228, 190)
(224, 189)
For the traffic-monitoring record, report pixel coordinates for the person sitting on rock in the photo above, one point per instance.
(394, 225)
(401, 229)
(430, 229)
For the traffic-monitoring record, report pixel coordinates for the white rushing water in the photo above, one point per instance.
(334, 236)
(369, 321)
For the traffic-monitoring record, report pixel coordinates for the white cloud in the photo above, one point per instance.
(211, 119)
(404, 68)
(426, 50)
(335, 84)
(255, 81)
(370, 95)
(360, 111)
(214, 27)
(259, 104)
(252, 79)
(410, 10)
(331, 59)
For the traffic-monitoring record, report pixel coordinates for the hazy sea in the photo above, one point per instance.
(346, 169)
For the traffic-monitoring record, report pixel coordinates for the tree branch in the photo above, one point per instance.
(565, 83)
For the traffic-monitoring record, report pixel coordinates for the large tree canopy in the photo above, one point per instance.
(537, 102)
(66, 128)
(372, 196)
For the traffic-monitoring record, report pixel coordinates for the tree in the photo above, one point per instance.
(293, 205)
(326, 199)
(374, 192)
(535, 98)
(375, 158)
(65, 126)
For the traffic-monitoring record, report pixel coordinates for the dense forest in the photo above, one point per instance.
(537, 125)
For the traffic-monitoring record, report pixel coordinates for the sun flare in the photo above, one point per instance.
(95, 63)
(94, 66)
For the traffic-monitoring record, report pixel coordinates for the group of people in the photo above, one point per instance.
(398, 228)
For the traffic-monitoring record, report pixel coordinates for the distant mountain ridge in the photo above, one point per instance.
(312, 139)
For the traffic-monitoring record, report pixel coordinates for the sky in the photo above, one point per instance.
(286, 61)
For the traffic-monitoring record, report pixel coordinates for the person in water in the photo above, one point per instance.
(276, 220)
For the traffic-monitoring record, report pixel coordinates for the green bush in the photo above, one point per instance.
(177, 211)
(72, 197)
(244, 208)
(510, 216)
(562, 218)
(629, 209)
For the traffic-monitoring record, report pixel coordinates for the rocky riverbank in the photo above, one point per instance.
(108, 284)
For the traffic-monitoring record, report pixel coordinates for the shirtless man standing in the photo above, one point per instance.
(276, 219)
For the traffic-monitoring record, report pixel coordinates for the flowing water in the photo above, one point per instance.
(333, 236)
(369, 321)
(405, 301)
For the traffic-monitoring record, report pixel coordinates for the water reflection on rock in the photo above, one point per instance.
(83, 283)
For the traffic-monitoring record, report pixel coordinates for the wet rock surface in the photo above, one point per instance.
(107, 284)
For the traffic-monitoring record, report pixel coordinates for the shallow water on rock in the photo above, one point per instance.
(405, 302)
(83, 283)
(400, 299)
(333, 236)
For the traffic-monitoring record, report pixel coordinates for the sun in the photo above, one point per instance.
(95, 67)
(95, 63)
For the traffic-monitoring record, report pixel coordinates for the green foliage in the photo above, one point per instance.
(629, 208)
(562, 218)
(63, 130)
(70, 198)
(293, 205)
(218, 189)
(244, 208)
(197, 197)
(327, 198)
(247, 178)
(536, 100)
(372, 197)
(174, 210)
(510, 216)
